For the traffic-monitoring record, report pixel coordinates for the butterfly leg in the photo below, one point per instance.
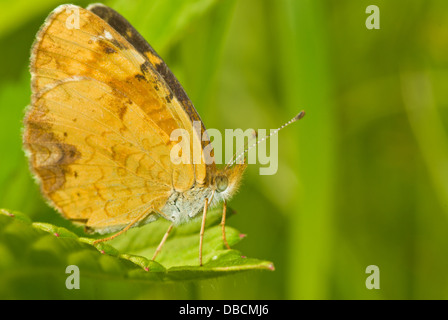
(162, 242)
(201, 235)
(223, 224)
(138, 218)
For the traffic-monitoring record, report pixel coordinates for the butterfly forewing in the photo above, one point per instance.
(122, 26)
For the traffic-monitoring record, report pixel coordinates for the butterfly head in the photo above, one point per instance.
(226, 181)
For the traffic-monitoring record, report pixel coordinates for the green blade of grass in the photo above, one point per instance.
(307, 86)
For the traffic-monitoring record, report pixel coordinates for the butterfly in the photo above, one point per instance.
(97, 131)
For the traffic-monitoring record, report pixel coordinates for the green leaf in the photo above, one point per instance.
(162, 22)
(40, 249)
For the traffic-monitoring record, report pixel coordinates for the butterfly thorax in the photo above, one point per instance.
(181, 207)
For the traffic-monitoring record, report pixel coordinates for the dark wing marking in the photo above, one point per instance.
(123, 27)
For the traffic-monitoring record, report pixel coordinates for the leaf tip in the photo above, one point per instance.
(6, 212)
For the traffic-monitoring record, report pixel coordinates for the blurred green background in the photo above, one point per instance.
(362, 179)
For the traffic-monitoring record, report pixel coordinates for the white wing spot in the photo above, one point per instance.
(108, 35)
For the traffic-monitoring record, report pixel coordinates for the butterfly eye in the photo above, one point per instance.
(221, 183)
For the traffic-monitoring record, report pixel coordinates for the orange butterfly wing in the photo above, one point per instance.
(122, 26)
(98, 128)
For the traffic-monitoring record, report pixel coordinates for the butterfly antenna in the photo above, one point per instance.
(239, 152)
(235, 158)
